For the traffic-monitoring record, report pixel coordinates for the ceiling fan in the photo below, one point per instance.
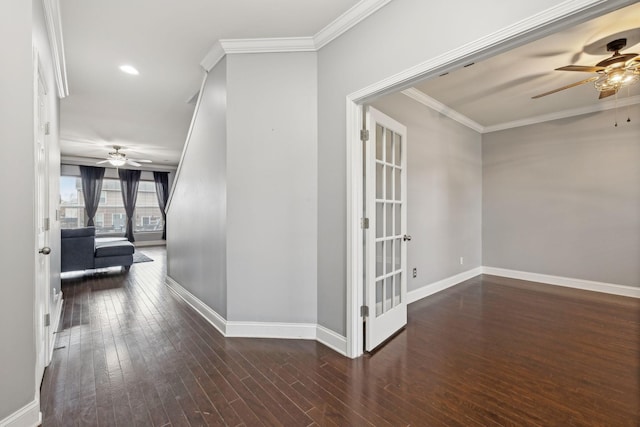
(620, 69)
(117, 159)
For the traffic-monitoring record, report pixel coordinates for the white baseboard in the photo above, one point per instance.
(440, 285)
(304, 331)
(143, 243)
(568, 282)
(331, 339)
(27, 416)
(203, 309)
(55, 322)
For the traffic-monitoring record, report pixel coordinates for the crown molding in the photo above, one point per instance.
(269, 45)
(441, 108)
(54, 30)
(352, 17)
(215, 54)
(335, 29)
(600, 106)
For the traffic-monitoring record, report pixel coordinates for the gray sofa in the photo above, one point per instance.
(82, 251)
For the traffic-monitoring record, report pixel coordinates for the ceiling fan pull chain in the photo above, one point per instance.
(628, 96)
(615, 110)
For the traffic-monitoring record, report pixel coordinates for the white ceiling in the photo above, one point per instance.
(499, 90)
(165, 40)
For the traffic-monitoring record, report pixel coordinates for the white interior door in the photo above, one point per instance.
(386, 238)
(42, 227)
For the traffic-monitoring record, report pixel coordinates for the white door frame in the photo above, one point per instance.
(560, 17)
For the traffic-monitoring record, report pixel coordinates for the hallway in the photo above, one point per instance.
(488, 352)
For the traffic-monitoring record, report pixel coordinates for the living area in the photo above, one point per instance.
(107, 214)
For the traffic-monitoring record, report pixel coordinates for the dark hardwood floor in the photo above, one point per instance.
(488, 352)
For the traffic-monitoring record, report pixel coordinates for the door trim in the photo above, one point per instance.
(556, 18)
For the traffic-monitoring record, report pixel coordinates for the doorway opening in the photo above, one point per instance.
(533, 28)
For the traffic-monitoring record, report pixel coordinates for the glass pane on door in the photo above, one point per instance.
(379, 142)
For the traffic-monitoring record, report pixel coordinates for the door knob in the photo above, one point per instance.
(406, 238)
(45, 251)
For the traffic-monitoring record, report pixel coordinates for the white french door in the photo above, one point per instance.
(386, 238)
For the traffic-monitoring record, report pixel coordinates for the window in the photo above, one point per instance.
(99, 220)
(148, 215)
(118, 222)
(71, 202)
(110, 216)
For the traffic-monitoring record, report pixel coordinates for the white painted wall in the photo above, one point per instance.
(197, 217)
(272, 181)
(562, 198)
(444, 191)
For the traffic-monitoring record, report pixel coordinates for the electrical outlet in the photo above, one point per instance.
(461, 260)
(415, 273)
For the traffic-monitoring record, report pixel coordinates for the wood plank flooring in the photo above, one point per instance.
(488, 352)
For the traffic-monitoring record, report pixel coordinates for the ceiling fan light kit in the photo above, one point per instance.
(117, 162)
(117, 159)
(616, 79)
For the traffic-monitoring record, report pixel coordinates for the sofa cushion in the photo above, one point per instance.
(114, 249)
(66, 233)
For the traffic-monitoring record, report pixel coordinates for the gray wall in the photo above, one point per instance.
(400, 35)
(561, 198)
(444, 191)
(272, 212)
(197, 218)
(250, 254)
(18, 354)
(22, 27)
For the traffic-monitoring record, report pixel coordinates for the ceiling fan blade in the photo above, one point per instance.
(617, 58)
(141, 160)
(606, 93)
(132, 163)
(581, 82)
(582, 68)
(104, 161)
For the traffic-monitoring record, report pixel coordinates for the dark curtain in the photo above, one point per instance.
(162, 191)
(129, 180)
(91, 190)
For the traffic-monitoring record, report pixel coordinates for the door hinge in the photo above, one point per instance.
(364, 223)
(47, 128)
(47, 319)
(47, 224)
(364, 134)
(364, 311)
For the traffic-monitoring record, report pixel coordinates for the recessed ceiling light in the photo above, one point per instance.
(129, 69)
